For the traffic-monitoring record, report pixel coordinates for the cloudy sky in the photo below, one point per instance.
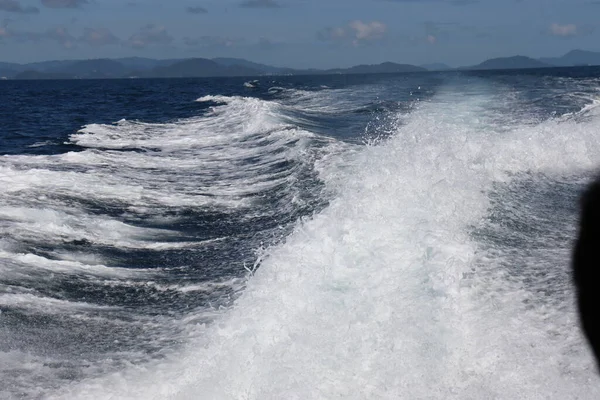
(297, 33)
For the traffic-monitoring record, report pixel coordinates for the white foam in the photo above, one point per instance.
(217, 160)
(49, 305)
(233, 283)
(41, 144)
(58, 226)
(239, 119)
(20, 263)
(376, 297)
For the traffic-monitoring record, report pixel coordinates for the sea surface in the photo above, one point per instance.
(356, 237)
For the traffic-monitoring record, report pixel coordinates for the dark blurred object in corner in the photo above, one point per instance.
(586, 266)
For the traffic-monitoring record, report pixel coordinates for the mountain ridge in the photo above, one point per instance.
(514, 62)
(575, 57)
(141, 67)
(185, 68)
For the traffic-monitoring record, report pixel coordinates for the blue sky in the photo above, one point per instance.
(298, 33)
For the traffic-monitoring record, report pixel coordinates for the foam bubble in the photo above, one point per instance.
(33, 303)
(20, 262)
(379, 296)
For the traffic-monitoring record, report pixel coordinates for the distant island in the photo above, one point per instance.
(516, 62)
(138, 67)
(574, 58)
(437, 67)
(186, 68)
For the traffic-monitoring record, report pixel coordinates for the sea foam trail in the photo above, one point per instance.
(223, 162)
(378, 296)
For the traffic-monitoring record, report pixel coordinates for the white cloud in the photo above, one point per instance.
(563, 30)
(367, 30)
(356, 31)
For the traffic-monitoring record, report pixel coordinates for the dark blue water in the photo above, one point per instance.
(47, 111)
(133, 211)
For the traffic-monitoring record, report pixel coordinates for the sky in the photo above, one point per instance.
(298, 33)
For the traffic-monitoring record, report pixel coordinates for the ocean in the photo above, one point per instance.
(401, 236)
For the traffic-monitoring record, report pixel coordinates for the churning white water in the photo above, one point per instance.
(389, 292)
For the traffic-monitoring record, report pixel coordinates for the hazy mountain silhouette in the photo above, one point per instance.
(383, 68)
(194, 67)
(436, 67)
(101, 68)
(143, 64)
(36, 75)
(249, 64)
(201, 67)
(515, 62)
(198, 67)
(574, 58)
